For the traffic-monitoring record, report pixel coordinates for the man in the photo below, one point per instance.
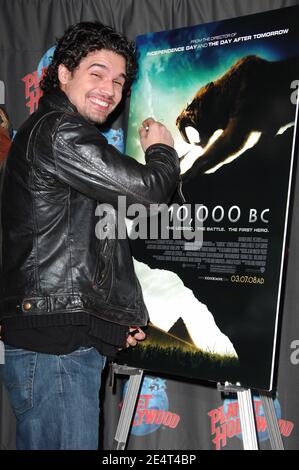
(69, 298)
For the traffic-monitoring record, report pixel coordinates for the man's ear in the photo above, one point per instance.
(63, 74)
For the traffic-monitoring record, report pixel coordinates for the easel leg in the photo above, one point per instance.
(271, 420)
(128, 407)
(246, 413)
(247, 420)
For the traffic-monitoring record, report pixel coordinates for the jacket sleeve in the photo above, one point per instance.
(85, 161)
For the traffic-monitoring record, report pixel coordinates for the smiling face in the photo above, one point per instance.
(95, 86)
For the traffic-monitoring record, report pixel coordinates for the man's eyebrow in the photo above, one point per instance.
(102, 66)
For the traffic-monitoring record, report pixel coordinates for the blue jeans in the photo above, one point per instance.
(55, 398)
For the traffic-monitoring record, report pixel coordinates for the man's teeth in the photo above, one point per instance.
(100, 102)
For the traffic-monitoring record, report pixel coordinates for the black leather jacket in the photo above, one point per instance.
(59, 168)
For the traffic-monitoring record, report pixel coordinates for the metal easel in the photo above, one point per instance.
(129, 404)
(246, 411)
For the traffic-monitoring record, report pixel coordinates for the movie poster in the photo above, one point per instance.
(228, 93)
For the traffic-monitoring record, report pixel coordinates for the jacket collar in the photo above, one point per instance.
(56, 100)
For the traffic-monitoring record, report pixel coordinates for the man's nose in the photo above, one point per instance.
(108, 87)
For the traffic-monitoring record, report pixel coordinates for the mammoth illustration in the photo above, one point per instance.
(253, 95)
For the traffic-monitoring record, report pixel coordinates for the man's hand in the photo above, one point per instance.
(153, 132)
(135, 335)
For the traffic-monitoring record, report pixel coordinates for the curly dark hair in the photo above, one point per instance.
(81, 39)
